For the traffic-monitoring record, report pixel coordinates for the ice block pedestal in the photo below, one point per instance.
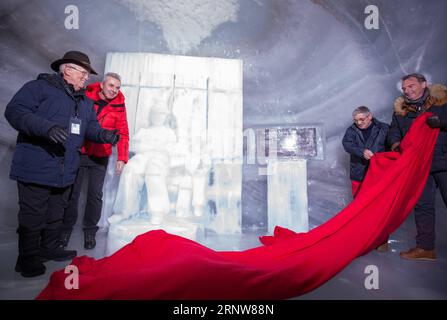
(287, 195)
(124, 232)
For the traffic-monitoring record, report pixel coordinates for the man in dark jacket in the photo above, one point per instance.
(52, 117)
(419, 98)
(362, 139)
(111, 113)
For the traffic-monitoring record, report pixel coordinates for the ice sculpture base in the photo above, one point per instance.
(287, 195)
(125, 231)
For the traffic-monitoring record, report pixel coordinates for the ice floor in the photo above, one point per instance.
(398, 279)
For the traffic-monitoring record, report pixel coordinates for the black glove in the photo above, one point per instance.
(109, 136)
(396, 147)
(435, 122)
(57, 135)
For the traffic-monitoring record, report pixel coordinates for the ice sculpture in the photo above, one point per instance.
(185, 170)
(148, 167)
(223, 197)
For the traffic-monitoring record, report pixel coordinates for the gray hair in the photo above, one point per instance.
(68, 64)
(361, 110)
(112, 75)
(419, 77)
(62, 67)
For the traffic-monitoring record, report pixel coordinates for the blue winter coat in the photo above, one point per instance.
(354, 144)
(38, 106)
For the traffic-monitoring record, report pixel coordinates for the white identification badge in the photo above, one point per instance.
(75, 126)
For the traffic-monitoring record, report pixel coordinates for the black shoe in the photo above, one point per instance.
(89, 241)
(30, 266)
(57, 254)
(64, 239)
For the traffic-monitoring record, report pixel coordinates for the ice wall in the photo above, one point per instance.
(184, 23)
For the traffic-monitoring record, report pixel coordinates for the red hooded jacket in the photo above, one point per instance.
(111, 115)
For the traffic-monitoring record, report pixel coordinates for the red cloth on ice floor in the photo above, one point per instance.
(158, 265)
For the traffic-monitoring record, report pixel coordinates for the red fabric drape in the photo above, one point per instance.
(158, 265)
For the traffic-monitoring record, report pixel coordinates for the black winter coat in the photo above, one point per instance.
(401, 123)
(38, 106)
(354, 144)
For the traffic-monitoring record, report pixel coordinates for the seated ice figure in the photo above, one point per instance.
(148, 168)
(162, 165)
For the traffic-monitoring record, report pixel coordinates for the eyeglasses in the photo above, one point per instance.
(84, 73)
(360, 120)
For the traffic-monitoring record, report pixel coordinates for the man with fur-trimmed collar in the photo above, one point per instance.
(419, 97)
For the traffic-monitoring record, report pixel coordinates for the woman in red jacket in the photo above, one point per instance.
(111, 113)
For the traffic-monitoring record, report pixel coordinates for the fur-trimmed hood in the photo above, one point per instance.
(437, 97)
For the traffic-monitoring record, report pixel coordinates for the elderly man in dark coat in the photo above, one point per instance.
(52, 116)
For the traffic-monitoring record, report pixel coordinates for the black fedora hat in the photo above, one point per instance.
(76, 57)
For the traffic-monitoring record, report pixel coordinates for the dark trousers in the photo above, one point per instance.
(424, 210)
(95, 168)
(41, 210)
(41, 207)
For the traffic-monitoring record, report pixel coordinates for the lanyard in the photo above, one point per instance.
(68, 91)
